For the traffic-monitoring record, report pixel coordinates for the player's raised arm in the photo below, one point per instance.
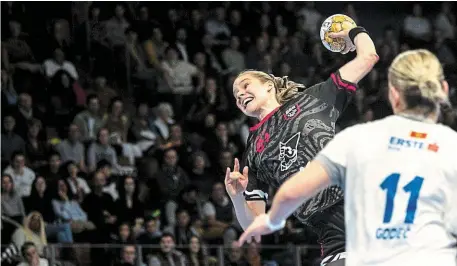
(357, 39)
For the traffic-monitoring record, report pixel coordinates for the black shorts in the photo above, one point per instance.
(334, 260)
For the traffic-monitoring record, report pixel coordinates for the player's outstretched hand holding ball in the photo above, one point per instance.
(335, 33)
(236, 182)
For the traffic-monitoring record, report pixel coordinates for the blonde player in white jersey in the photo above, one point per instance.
(399, 176)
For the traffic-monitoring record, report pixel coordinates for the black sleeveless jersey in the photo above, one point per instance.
(289, 137)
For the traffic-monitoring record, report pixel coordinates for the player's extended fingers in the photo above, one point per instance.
(257, 238)
(236, 166)
(340, 34)
(245, 236)
(227, 174)
(245, 171)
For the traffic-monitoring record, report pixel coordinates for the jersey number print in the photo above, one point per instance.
(390, 185)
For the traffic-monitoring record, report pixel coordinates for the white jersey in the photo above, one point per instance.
(400, 182)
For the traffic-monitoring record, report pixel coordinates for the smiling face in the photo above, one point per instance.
(252, 93)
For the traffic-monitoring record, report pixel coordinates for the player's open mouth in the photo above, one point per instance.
(247, 101)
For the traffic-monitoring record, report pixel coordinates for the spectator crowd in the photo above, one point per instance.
(118, 121)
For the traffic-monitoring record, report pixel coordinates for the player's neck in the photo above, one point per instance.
(430, 118)
(267, 109)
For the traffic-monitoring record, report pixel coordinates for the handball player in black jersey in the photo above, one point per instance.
(295, 124)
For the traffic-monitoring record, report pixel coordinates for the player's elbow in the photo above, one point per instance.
(368, 61)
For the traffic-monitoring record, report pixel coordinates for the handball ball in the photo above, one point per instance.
(335, 23)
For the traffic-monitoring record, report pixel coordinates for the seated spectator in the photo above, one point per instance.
(220, 216)
(31, 256)
(445, 21)
(72, 149)
(60, 38)
(178, 78)
(77, 184)
(151, 236)
(141, 129)
(152, 233)
(24, 112)
(253, 254)
(116, 121)
(164, 120)
(128, 206)
(89, 121)
(168, 255)
(58, 62)
(236, 256)
(111, 181)
(217, 26)
(40, 200)
(12, 206)
(101, 150)
(103, 92)
(183, 229)
(116, 26)
(68, 210)
(128, 257)
(389, 38)
(171, 179)
(123, 235)
(100, 208)
(188, 200)
(197, 255)
(9, 94)
(233, 58)
(22, 175)
(200, 176)
(219, 141)
(35, 149)
(16, 45)
(11, 141)
(52, 171)
(65, 94)
(211, 101)
(33, 230)
(225, 159)
(417, 28)
(256, 53)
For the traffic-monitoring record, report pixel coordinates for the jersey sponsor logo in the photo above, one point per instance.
(292, 112)
(261, 141)
(396, 143)
(288, 151)
(418, 135)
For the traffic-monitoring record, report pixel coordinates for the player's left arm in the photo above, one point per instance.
(328, 168)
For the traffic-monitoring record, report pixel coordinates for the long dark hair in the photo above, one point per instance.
(34, 191)
(66, 94)
(121, 189)
(12, 182)
(201, 255)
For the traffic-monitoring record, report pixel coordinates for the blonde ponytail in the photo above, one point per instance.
(285, 89)
(418, 76)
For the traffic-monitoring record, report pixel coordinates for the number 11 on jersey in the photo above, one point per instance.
(390, 185)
